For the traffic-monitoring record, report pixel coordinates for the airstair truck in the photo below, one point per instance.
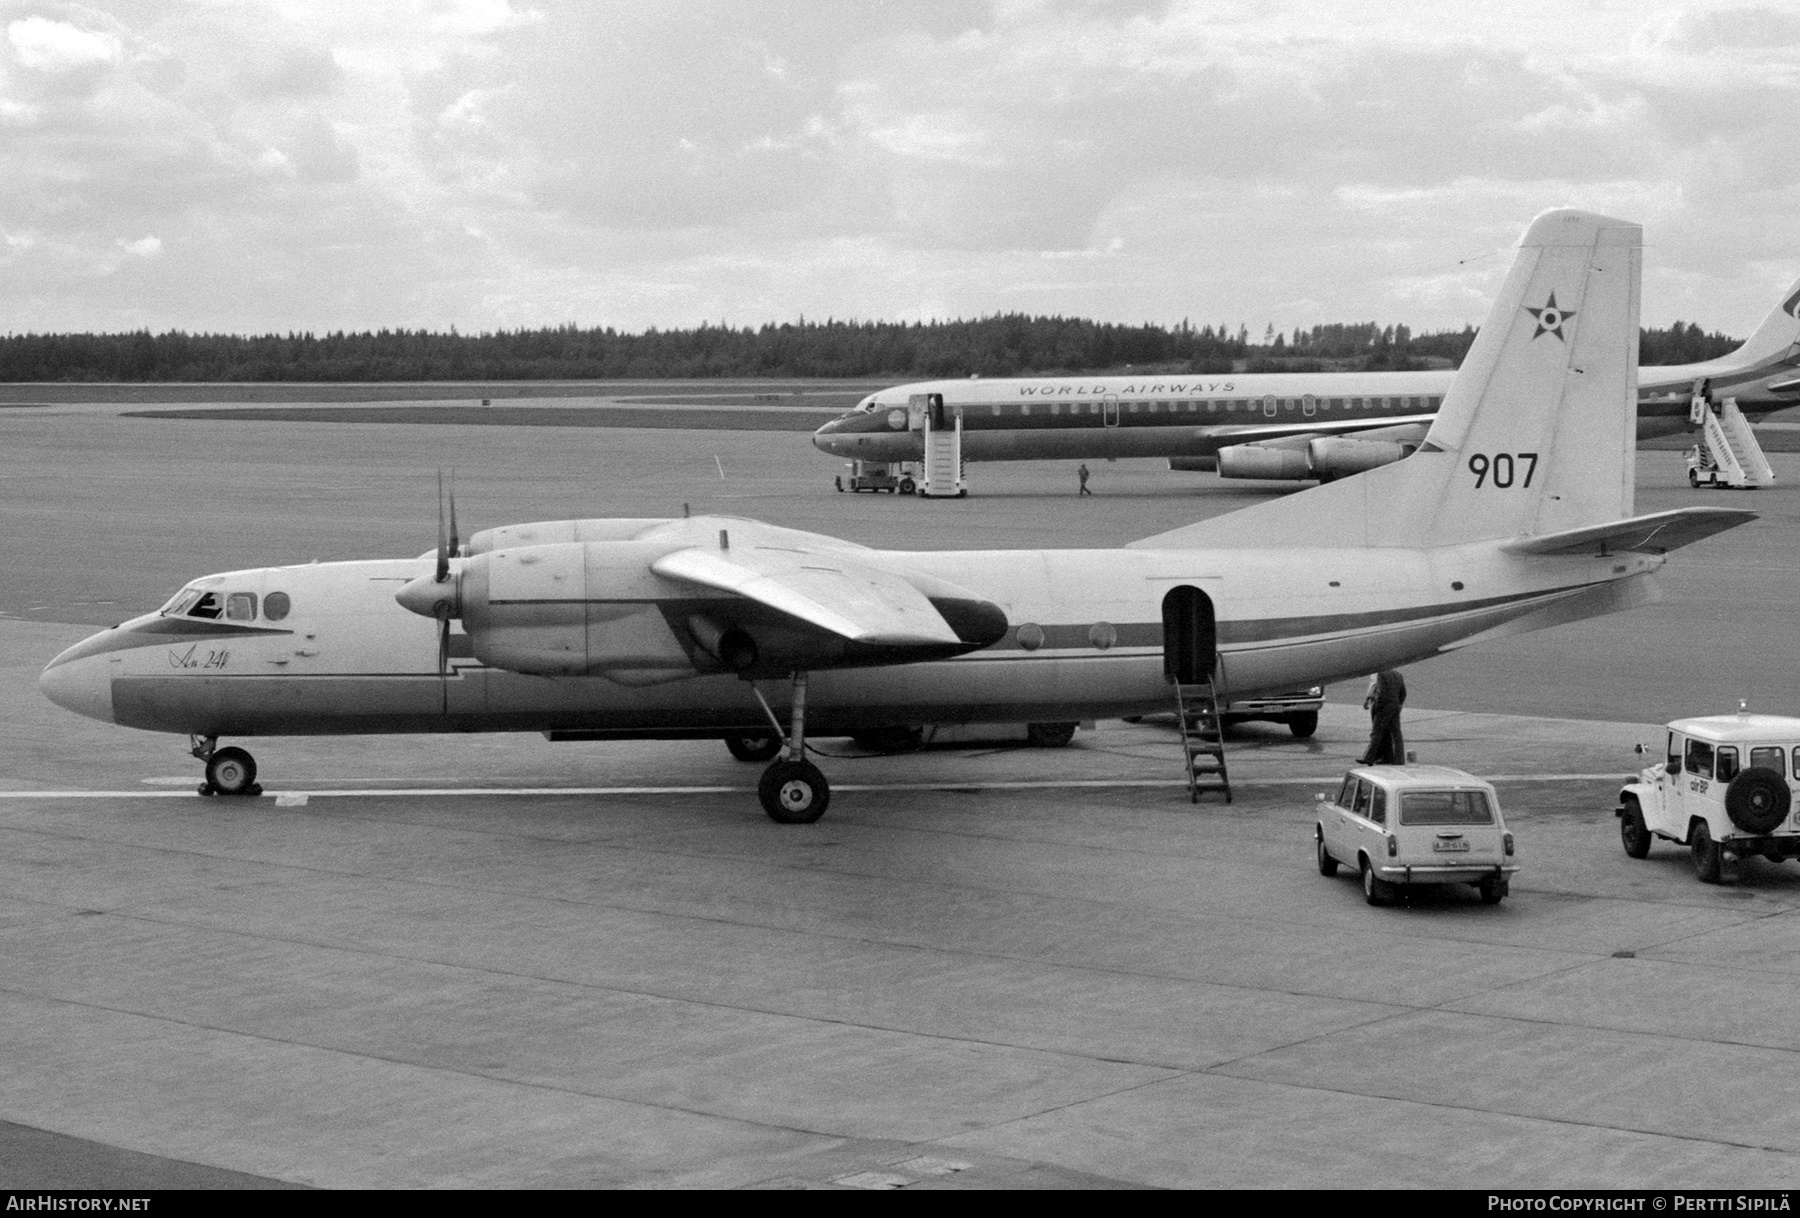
(1728, 454)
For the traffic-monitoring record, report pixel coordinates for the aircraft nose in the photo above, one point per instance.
(80, 683)
(827, 438)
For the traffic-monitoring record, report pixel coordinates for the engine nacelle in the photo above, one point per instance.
(1261, 461)
(574, 609)
(597, 608)
(1341, 456)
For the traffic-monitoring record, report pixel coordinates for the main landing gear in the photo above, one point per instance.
(793, 790)
(229, 771)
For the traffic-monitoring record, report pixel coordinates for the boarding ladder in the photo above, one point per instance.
(942, 466)
(1728, 454)
(1202, 740)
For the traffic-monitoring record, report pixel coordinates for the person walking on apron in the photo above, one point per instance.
(1082, 473)
(1387, 694)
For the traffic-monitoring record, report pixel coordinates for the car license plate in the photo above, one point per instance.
(1451, 845)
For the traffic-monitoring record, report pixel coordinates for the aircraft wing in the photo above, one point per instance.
(1309, 429)
(1657, 533)
(855, 600)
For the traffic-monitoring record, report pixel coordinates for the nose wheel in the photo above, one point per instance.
(793, 790)
(229, 771)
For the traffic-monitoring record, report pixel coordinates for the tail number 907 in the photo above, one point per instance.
(1502, 469)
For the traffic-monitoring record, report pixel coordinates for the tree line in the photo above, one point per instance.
(1003, 345)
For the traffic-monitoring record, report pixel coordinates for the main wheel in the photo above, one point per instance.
(1706, 854)
(794, 792)
(753, 746)
(1493, 889)
(1327, 864)
(1634, 834)
(1050, 735)
(1376, 891)
(231, 771)
(1757, 801)
(1303, 723)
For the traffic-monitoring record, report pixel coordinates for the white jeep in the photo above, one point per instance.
(1724, 790)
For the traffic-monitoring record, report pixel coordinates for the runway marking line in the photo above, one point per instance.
(945, 785)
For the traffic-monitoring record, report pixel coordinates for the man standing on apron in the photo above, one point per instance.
(1387, 694)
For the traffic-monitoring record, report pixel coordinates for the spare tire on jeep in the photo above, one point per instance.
(1757, 800)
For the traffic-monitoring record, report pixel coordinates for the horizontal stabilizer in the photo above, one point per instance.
(854, 600)
(1656, 533)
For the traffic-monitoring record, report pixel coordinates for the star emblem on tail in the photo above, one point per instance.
(1550, 318)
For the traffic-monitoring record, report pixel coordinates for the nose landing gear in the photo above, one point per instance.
(229, 771)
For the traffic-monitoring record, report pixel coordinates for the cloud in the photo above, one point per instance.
(46, 45)
(536, 161)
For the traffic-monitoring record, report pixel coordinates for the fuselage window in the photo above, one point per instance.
(276, 606)
(1056, 408)
(994, 410)
(1211, 406)
(1433, 402)
(1025, 409)
(1335, 402)
(241, 607)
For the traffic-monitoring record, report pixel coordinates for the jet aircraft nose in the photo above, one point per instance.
(80, 681)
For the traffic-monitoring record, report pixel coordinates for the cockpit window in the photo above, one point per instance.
(241, 607)
(207, 606)
(178, 604)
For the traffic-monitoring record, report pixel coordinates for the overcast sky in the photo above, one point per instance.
(255, 165)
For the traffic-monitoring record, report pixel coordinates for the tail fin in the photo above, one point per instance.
(1537, 432)
(1774, 340)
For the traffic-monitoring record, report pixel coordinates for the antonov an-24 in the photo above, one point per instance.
(1516, 513)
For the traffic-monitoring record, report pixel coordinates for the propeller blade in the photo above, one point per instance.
(443, 553)
(443, 620)
(455, 544)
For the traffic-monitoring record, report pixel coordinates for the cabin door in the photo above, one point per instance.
(1190, 636)
(1109, 411)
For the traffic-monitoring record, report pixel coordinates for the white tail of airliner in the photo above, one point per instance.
(1537, 432)
(1773, 340)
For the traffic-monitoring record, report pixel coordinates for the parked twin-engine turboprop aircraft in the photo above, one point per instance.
(1290, 425)
(1516, 513)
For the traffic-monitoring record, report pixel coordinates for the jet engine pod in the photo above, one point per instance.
(1262, 461)
(1341, 456)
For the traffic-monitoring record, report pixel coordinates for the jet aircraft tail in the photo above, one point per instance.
(1777, 340)
(1537, 431)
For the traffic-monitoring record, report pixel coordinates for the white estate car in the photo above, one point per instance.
(1415, 824)
(1724, 790)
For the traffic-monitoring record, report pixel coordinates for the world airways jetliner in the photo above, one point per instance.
(1515, 513)
(1271, 425)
